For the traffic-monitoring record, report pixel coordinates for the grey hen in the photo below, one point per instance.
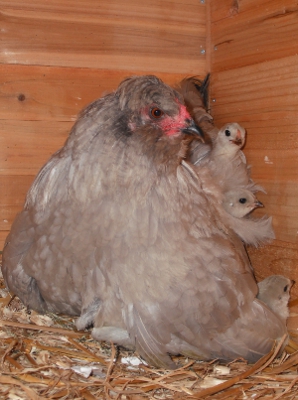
(117, 230)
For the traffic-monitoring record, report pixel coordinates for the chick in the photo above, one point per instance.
(275, 292)
(240, 202)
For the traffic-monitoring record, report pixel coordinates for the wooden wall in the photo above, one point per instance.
(253, 58)
(58, 55)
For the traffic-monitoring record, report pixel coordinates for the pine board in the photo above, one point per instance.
(13, 193)
(164, 36)
(247, 32)
(55, 93)
(268, 112)
(253, 62)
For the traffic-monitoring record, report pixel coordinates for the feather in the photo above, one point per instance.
(121, 230)
(274, 291)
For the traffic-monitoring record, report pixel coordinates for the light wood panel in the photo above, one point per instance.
(251, 31)
(3, 236)
(26, 145)
(53, 93)
(166, 36)
(253, 8)
(264, 100)
(254, 81)
(13, 193)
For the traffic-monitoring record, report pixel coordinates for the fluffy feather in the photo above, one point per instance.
(118, 230)
(275, 292)
(195, 95)
(221, 151)
(240, 202)
(252, 231)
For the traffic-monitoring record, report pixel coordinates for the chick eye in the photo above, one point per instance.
(227, 132)
(156, 112)
(242, 200)
(286, 288)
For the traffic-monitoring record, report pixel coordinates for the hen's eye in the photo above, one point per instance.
(242, 200)
(285, 288)
(156, 112)
(227, 132)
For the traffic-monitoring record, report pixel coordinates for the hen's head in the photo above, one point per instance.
(152, 106)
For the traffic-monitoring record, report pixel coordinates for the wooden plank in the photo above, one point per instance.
(13, 193)
(3, 236)
(264, 99)
(26, 145)
(253, 58)
(249, 32)
(277, 258)
(249, 9)
(165, 36)
(53, 93)
(268, 87)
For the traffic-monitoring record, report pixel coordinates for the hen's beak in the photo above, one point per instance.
(193, 129)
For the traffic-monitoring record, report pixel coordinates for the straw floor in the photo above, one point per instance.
(44, 357)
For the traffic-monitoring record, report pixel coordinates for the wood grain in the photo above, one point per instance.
(13, 193)
(132, 35)
(254, 81)
(249, 32)
(53, 93)
(264, 100)
(26, 145)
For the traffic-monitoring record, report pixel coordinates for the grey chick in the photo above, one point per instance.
(117, 230)
(226, 161)
(240, 202)
(235, 207)
(275, 292)
(195, 94)
(226, 155)
(223, 156)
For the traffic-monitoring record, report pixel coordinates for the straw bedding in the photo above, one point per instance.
(44, 357)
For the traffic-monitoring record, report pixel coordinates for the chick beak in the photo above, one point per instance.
(193, 129)
(238, 138)
(258, 204)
